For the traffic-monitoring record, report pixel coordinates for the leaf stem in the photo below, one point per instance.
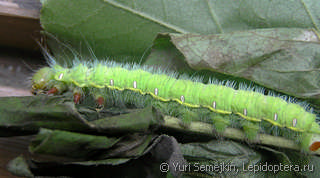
(232, 133)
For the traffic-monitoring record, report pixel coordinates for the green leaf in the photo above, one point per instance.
(127, 28)
(266, 14)
(25, 115)
(229, 157)
(139, 121)
(70, 144)
(121, 160)
(274, 58)
(20, 167)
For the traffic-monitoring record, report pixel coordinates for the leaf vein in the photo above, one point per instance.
(309, 14)
(147, 16)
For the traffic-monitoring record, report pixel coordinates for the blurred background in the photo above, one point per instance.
(19, 57)
(19, 51)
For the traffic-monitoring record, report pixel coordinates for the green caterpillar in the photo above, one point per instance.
(255, 110)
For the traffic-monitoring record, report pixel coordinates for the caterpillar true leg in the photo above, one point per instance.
(53, 90)
(254, 111)
(76, 98)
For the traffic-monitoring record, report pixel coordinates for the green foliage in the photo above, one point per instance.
(237, 40)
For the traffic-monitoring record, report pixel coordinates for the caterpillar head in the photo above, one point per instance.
(41, 79)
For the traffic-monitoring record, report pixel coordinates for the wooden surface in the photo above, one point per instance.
(20, 8)
(19, 23)
(14, 69)
(19, 58)
(16, 66)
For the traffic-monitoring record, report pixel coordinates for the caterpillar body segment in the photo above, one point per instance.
(255, 109)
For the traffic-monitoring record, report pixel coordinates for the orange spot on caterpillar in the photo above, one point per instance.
(314, 146)
(52, 91)
(100, 101)
(76, 98)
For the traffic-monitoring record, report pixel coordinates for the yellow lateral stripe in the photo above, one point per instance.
(248, 118)
(188, 104)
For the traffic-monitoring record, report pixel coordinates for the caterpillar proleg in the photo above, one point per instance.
(255, 111)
